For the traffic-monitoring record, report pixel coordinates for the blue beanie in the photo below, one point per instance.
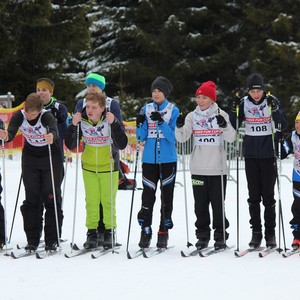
(96, 79)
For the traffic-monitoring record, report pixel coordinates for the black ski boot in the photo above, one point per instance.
(51, 246)
(255, 240)
(91, 240)
(162, 239)
(202, 243)
(219, 244)
(108, 238)
(146, 236)
(30, 248)
(271, 241)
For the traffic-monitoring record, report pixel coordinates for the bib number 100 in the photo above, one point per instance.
(207, 140)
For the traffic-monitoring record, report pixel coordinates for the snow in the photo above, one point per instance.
(166, 276)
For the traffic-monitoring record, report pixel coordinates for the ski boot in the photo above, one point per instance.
(109, 238)
(162, 239)
(271, 241)
(146, 236)
(296, 244)
(202, 243)
(255, 240)
(91, 240)
(220, 244)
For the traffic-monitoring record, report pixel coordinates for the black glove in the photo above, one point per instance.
(140, 119)
(272, 101)
(156, 116)
(221, 121)
(236, 102)
(180, 121)
(279, 135)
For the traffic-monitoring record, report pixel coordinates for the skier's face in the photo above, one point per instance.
(256, 94)
(32, 114)
(94, 111)
(158, 96)
(297, 126)
(204, 102)
(92, 88)
(45, 94)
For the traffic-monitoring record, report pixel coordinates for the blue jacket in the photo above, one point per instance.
(168, 152)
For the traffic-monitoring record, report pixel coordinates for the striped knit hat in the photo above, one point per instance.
(96, 79)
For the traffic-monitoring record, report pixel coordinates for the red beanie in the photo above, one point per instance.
(208, 89)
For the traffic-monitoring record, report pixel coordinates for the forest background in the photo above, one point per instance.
(132, 42)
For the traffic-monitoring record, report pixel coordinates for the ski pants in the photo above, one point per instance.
(261, 178)
(39, 195)
(208, 190)
(295, 222)
(2, 221)
(97, 190)
(151, 176)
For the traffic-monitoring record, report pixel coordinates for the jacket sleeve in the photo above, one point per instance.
(118, 135)
(14, 124)
(116, 110)
(71, 136)
(48, 121)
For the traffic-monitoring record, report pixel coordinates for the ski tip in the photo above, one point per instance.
(182, 254)
(237, 254)
(145, 254)
(128, 255)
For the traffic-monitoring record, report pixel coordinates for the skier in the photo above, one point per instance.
(156, 126)
(259, 110)
(209, 126)
(96, 83)
(292, 145)
(39, 130)
(95, 124)
(45, 89)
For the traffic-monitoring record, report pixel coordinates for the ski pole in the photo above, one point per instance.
(188, 244)
(111, 189)
(4, 189)
(14, 215)
(132, 195)
(280, 213)
(237, 178)
(222, 183)
(76, 186)
(65, 178)
(54, 195)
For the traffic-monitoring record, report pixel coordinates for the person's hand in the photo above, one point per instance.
(110, 117)
(272, 102)
(140, 119)
(236, 103)
(76, 118)
(180, 121)
(49, 138)
(3, 134)
(221, 121)
(156, 116)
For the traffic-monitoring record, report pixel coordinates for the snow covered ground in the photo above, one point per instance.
(167, 276)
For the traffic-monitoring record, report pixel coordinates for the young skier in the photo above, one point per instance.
(96, 126)
(96, 83)
(156, 126)
(292, 145)
(45, 89)
(39, 130)
(259, 111)
(209, 126)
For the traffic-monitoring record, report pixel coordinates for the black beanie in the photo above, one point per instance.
(163, 84)
(256, 81)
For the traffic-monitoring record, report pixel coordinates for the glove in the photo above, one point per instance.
(221, 121)
(156, 116)
(236, 102)
(180, 121)
(272, 101)
(140, 119)
(279, 135)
